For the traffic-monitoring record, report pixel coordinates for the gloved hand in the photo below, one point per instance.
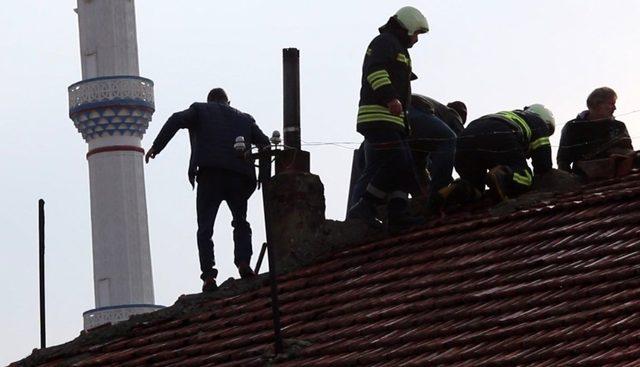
(395, 107)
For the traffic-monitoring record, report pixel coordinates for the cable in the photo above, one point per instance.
(344, 144)
(336, 144)
(627, 113)
(440, 140)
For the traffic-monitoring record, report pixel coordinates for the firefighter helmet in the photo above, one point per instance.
(545, 114)
(412, 20)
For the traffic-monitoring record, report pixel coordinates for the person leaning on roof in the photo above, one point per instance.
(384, 98)
(434, 130)
(594, 133)
(501, 143)
(221, 174)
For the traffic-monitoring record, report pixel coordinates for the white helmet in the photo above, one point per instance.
(545, 114)
(412, 20)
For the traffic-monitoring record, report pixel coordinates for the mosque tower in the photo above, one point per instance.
(111, 107)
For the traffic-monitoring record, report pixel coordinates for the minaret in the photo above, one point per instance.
(111, 107)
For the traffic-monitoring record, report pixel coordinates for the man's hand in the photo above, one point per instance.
(151, 153)
(395, 107)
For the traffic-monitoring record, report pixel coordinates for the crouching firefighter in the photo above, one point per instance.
(384, 99)
(501, 143)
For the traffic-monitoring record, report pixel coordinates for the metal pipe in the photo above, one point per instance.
(275, 305)
(356, 170)
(43, 330)
(260, 258)
(291, 98)
(271, 258)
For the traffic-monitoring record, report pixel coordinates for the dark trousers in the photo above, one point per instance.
(436, 153)
(434, 146)
(485, 144)
(388, 164)
(215, 186)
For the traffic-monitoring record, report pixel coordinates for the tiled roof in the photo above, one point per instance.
(556, 284)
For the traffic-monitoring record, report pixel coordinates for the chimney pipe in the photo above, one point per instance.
(291, 84)
(292, 158)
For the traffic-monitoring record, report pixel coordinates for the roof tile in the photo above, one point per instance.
(555, 283)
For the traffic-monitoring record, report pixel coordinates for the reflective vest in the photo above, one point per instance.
(530, 140)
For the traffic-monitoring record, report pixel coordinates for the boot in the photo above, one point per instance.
(399, 218)
(499, 180)
(458, 192)
(365, 210)
(463, 192)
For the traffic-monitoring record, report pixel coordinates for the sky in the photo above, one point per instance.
(492, 54)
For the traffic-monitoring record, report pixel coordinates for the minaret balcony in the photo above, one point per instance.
(108, 106)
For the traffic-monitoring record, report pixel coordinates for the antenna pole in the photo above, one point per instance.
(43, 328)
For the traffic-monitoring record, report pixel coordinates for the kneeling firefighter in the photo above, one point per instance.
(501, 143)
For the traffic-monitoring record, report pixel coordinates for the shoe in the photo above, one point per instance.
(499, 179)
(245, 271)
(209, 282)
(365, 210)
(209, 285)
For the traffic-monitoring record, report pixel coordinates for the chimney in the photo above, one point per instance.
(294, 198)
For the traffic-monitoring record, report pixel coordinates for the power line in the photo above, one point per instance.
(349, 145)
(627, 113)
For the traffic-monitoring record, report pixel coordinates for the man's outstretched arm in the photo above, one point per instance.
(179, 120)
(258, 137)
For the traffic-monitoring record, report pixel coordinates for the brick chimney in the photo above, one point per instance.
(300, 232)
(294, 198)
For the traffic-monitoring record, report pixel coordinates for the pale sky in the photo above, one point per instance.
(492, 54)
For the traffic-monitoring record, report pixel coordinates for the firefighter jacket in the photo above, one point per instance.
(533, 134)
(386, 75)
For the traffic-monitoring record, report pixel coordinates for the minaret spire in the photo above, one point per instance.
(111, 107)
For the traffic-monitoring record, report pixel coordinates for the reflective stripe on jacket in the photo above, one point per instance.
(376, 113)
(532, 138)
(386, 75)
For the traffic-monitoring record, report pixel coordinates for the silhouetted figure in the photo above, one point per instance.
(221, 174)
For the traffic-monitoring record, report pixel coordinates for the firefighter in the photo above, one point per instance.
(501, 143)
(384, 98)
(434, 129)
